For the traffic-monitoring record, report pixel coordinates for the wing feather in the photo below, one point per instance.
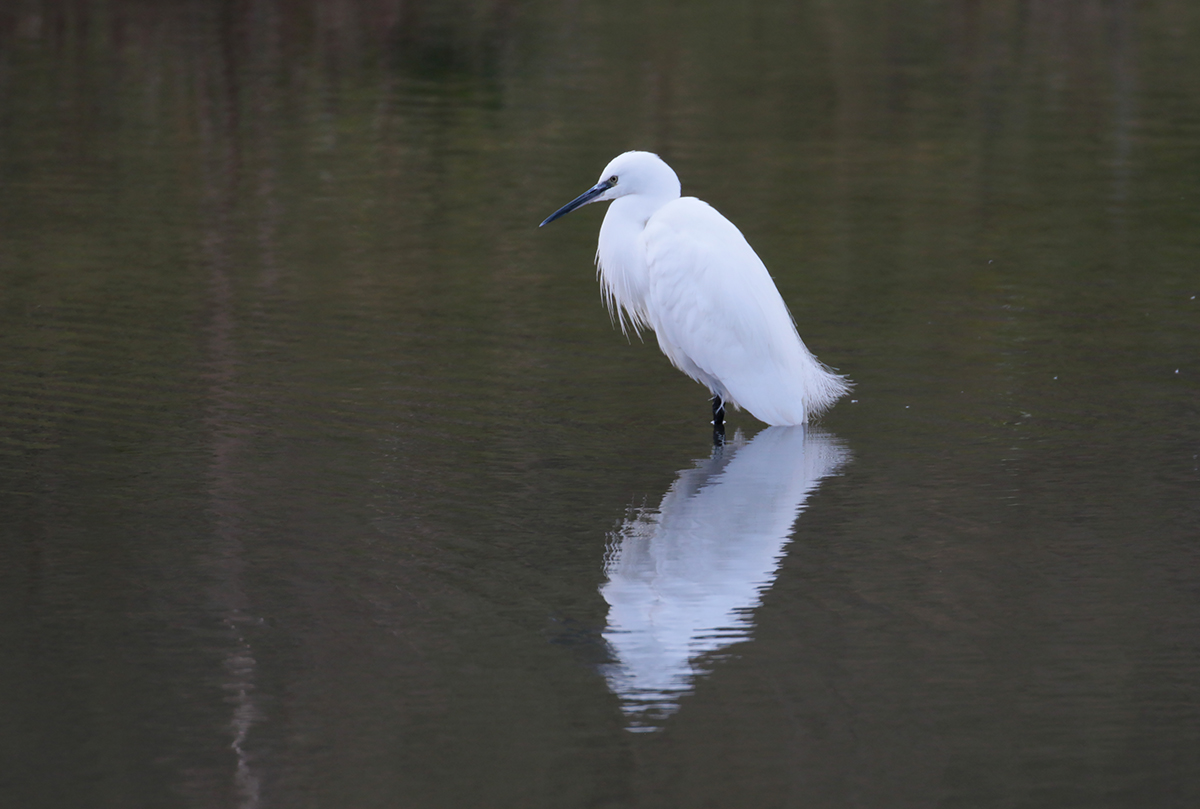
(720, 319)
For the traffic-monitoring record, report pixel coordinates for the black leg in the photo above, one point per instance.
(718, 421)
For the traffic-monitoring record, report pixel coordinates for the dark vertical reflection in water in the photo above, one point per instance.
(218, 90)
(266, 44)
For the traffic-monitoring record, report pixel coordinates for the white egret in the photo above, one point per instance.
(675, 265)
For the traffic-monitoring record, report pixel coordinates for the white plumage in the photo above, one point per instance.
(676, 265)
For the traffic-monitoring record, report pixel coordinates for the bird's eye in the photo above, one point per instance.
(612, 181)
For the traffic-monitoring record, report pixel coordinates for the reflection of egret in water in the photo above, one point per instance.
(683, 580)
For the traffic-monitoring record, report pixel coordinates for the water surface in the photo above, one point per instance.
(322, 468)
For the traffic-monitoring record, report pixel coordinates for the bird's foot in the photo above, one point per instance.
(718, 422)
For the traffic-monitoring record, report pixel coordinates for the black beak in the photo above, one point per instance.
(579, 201)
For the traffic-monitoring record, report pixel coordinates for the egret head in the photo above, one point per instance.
(642, 173)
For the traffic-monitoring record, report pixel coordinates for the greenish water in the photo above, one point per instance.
(326, 481)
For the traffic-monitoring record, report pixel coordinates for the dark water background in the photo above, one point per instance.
(316, 454)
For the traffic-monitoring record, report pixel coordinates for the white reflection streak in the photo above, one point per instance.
(241, 667)
(683, 580)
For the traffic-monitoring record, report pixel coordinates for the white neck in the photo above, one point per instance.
(621, 256)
